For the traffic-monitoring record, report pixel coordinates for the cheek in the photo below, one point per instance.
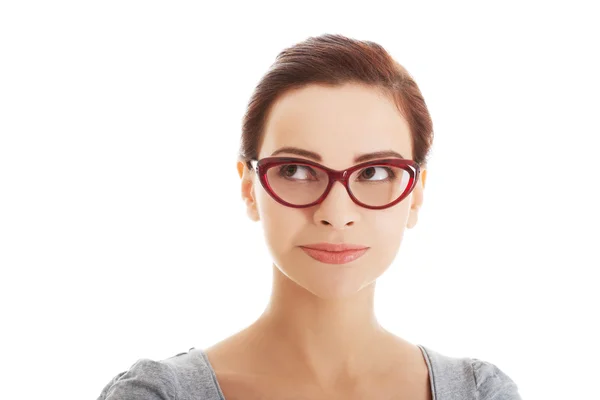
(387, 227)
(392, 221)
(281, 225)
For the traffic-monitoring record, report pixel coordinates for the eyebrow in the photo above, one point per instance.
(315, 156)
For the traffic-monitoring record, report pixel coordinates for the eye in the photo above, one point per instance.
(380, 174)
(296, 172)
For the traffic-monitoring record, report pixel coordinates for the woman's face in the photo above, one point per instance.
(338, 123)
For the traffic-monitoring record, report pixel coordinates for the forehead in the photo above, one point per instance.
(339, 123)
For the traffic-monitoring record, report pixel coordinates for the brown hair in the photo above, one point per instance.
(333, 59)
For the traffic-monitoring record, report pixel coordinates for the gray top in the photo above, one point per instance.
(189, 376)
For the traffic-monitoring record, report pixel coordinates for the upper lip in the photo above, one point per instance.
(334, 247)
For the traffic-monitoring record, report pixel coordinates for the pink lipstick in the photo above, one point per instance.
(334, 253)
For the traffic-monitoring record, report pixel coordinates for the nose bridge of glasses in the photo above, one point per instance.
(339, 176)
(334, 177)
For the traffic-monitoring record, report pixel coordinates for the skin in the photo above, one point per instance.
(319, 336)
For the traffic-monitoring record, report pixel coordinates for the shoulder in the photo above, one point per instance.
(145, 379)
(183, 376)
(492, 383)
(468, 378)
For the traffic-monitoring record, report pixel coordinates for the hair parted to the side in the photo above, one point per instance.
(334, 60)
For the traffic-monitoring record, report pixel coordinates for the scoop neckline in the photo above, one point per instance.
(424, 350)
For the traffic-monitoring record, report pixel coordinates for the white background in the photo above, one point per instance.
(123, 234)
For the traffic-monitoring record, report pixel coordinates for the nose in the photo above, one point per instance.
(337, 210)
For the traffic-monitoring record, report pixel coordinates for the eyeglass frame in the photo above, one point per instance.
(262, 166)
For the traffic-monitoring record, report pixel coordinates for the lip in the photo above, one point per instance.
(334, 247)
(330, 253)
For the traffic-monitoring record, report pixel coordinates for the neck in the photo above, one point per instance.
(328, 339)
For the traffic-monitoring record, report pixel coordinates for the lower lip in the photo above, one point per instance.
(334, 257)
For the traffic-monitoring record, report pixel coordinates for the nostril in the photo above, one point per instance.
(329, 223)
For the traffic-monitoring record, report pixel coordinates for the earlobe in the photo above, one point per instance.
(413, 214)
(248, 192)
(252, 213)
(251, 208)
(412, 219)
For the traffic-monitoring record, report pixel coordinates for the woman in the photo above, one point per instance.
(333, 163)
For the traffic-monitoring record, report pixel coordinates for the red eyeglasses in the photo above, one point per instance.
(300, 183)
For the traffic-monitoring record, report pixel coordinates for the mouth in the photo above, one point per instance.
(334, 253)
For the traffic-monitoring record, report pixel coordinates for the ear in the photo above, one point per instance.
(248, 178)
(417, 200)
